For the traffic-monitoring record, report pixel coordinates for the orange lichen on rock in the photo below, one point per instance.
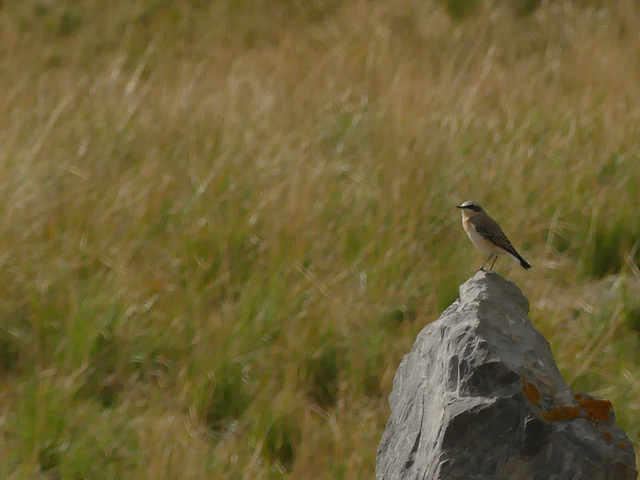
(593, 409)
(596, 410)
(622, 445)
(561, 413)
(530, 391)
(607, 436)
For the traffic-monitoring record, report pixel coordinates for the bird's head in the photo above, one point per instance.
(470, 209)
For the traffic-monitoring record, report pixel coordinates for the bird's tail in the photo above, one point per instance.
(523, 263)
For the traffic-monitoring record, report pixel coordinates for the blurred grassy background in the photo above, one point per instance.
(223, 223)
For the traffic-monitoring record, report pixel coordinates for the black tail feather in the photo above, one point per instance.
(523, 262)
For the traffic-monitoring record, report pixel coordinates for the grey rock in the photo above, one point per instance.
(480, 397)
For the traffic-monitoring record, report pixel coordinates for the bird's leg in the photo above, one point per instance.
(495, 257)
(482, 267)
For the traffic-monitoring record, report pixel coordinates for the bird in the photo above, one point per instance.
(485, 233)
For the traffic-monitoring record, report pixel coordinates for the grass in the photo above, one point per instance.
(222, 224)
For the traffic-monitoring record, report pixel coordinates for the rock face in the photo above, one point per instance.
(480, 397)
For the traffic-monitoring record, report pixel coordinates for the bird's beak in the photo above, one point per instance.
(459, 206)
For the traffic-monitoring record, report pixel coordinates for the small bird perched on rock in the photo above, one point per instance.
(485, 233)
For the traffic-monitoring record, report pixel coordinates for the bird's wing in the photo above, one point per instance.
(489, 229)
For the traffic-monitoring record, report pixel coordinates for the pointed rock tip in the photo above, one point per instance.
(490, 286)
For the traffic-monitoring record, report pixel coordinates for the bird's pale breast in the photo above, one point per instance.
(481, 243)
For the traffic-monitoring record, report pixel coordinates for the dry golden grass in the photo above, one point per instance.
(223, 223)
